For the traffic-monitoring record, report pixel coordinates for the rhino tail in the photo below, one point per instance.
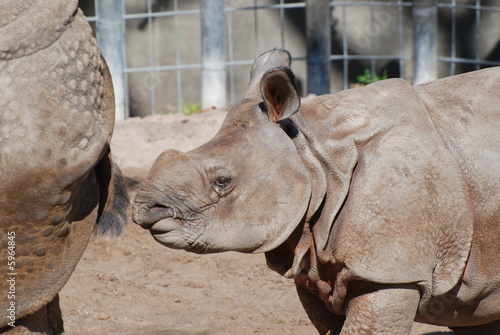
(113, 198)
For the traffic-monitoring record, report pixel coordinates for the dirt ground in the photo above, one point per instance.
(133, 285)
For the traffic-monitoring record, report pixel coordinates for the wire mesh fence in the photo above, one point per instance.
(160, 54)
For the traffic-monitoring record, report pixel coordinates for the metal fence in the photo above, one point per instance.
(182, 55)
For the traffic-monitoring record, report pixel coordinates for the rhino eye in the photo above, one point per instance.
(222, 182)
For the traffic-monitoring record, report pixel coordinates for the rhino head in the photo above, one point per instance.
(245, 190)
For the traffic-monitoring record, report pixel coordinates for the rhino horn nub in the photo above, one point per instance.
(275, 58)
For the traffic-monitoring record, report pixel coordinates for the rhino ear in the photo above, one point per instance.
(279, 93)
(268, 60)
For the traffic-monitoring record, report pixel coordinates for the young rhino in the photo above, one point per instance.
(383, 202)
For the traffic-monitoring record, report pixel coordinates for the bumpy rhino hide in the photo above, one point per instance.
(56, 121)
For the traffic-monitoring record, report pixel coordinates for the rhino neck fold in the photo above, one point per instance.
(331, 167)
(290, 258)
(290, 254)
(297, 259)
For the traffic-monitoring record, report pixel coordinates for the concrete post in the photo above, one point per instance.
(213, 54)
(318, 46)
(424, 14)
(110, 37)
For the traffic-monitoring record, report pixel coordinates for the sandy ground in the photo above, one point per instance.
(133, 285)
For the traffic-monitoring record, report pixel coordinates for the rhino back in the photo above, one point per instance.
(465, 110)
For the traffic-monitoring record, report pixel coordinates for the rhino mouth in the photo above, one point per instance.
(147, 216)
(179, 234)
(171, 226)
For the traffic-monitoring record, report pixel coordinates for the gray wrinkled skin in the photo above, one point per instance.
(383, 202)
(57, 179)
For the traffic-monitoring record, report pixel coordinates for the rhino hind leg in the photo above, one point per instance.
(47, 321)
(492, 328)
(113, 198)
(325, 321)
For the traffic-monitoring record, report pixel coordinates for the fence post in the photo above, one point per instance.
(318, 46)
(109, 33)
(213, 54)
(424, 14)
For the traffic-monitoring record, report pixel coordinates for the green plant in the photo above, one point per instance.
(191, 109)
(367, 77)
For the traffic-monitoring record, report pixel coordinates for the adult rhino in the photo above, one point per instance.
(57, 179)
(383, 202)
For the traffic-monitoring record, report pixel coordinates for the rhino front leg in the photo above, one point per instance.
(325, 321)
(387, 309)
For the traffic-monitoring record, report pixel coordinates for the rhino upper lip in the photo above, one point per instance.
(149, 215)
(170, 211)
